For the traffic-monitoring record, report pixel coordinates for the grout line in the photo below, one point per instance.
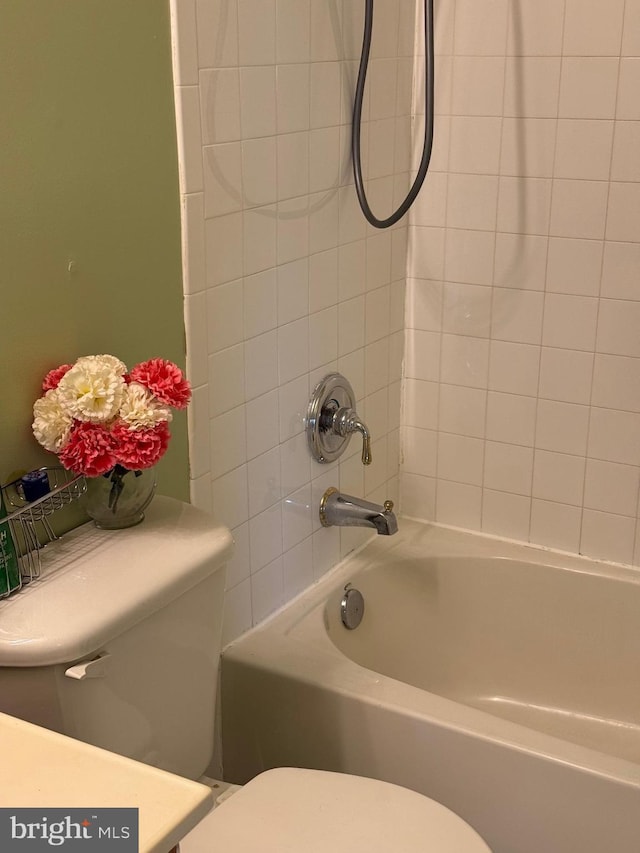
(493, 273)
(546, 273)
(595, 343)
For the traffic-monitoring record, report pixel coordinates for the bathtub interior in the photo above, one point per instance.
(301, 691)
(550, 647)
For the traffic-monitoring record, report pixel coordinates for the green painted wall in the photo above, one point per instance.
(89, 205)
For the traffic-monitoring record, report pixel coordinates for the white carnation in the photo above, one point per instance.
(107, 361)
(51, 421)
(93, 389)
(140, 409)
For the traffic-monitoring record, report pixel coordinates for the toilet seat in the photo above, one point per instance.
(288, 810)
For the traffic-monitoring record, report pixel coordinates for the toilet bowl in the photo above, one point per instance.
(118, 645)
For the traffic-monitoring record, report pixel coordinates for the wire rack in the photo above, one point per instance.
(28, 522)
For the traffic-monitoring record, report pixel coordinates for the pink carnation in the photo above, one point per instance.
(140, 448)
(53, 377)
(165, 380)
(89, 450)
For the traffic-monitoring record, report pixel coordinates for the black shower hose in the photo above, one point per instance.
(357, 118)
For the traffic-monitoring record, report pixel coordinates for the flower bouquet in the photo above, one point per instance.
(105, 421)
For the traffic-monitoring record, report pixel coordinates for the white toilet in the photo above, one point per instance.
(118, 645)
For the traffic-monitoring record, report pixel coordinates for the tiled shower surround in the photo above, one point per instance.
(284, 281)
(522, 390)
(520, 402)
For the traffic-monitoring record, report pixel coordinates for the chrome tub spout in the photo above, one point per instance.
(346, 511)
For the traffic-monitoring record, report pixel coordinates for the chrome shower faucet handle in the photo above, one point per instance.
(332, 420)
(345, 423)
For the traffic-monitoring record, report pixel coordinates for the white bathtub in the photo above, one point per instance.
(500, 680)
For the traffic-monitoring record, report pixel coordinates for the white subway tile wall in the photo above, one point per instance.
(522, 390)
(284, 281)
(520, 395)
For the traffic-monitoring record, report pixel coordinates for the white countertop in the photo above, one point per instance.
(41, 768)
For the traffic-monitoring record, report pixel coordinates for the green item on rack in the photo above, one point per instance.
(9, 567)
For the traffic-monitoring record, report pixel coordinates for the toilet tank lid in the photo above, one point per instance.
(95, 584)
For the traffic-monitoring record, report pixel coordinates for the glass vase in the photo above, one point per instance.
(119, 498)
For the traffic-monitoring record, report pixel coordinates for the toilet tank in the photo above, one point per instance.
(118, 643)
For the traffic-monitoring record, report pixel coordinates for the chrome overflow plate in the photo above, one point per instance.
(351, 607)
